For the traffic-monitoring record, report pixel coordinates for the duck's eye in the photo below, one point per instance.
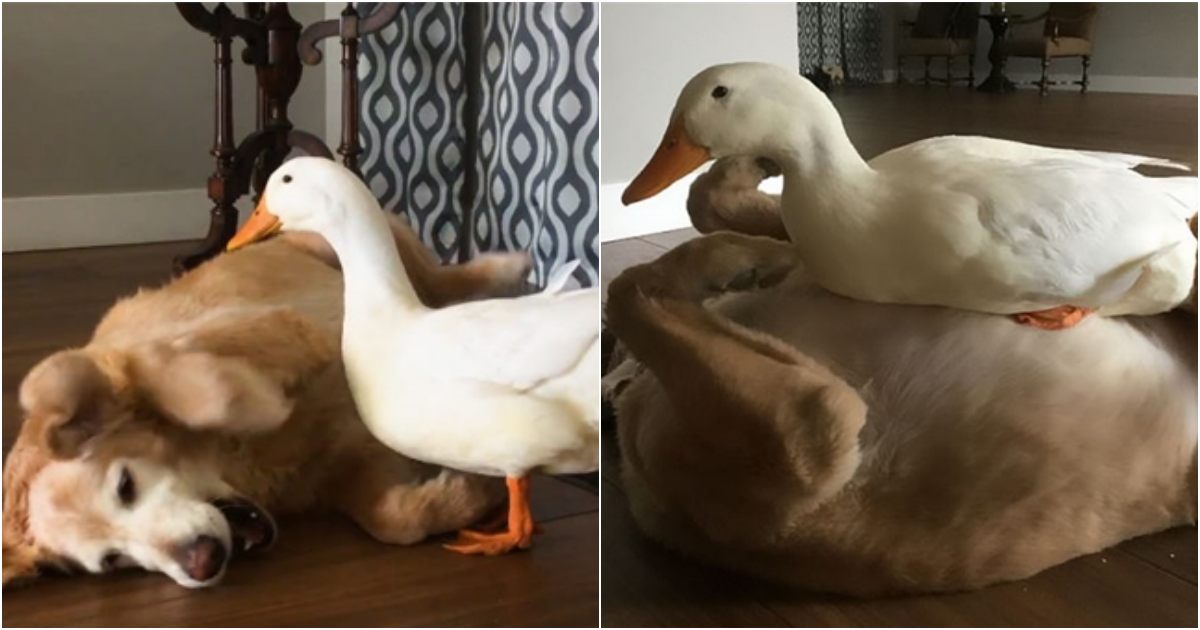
(720, 91)
(287, 179)
(126, 490)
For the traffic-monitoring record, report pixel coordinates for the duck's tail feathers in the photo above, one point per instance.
(1184, 190)
(560, 277)
(1118, 282)
(1129, 160)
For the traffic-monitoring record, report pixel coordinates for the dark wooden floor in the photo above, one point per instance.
(1150, 581)
(324, 571)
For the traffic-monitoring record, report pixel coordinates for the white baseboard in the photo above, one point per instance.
(1186, 86)
(1112, 83)
(111, 219)
(663, 212)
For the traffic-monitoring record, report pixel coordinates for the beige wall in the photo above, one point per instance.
(105, 98)
(649, 50)
(1143, 40)
(1148, 39)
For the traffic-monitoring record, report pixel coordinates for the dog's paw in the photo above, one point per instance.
(734, 174)
(755, 278)
(727, 261)
(506, 270)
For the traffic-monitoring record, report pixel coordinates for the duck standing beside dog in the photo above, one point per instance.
(1043, 234)
(500, 387)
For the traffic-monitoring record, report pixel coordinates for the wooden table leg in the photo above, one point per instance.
(996, 80)
(223, 216)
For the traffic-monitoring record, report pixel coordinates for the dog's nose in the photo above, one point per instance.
(203, 558)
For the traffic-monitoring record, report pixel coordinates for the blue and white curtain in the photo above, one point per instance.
(538, 133)
(844, 33)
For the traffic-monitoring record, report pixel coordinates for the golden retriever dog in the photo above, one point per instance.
(199, 409)
(773, 428)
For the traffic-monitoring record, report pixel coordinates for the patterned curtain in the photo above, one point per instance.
(537, 129)
(845, 33)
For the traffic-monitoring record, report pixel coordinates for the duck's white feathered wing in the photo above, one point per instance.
(519, 343)
(942, 148)
(1066, 226)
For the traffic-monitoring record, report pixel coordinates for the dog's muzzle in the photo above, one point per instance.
(251, 526)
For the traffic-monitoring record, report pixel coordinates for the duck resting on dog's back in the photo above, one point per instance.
(865, 448)
(199, 409)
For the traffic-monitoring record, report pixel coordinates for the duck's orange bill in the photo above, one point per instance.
(676, 156)
(260, 225)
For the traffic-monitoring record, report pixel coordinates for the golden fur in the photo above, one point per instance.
(861, 448)
(225, 382)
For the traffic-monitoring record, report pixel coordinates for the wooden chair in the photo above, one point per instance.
(941, 30)
(1068, 33)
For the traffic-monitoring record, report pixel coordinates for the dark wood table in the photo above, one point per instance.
(277, 48)
(996, 80)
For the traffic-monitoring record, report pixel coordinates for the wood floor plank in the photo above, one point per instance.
(1173, 551)
(326, 572)
(669, 240)
(552, 498)
(1111, 588)
(618, 256)
(644, 585)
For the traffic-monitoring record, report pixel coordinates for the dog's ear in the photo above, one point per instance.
(205, 391)
(23, 558)
(21, 562)
(238, 372)
(68, 401)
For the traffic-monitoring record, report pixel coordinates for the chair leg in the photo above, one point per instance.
(1083, 85)
(1043, 85)
(971, 70)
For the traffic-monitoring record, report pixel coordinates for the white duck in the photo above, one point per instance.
(1048, 235)
(500, 387)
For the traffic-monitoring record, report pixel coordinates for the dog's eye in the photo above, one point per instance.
(126, 491)
(720, 91)
(287, 179)
(110, 561)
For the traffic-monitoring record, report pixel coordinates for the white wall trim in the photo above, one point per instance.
(663, 212)
(106, 219)
(1112, 83)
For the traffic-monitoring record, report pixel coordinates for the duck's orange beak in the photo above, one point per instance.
(260, 225)
(676, 156)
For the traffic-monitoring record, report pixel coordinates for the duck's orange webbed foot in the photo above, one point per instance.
(1056, 318)
(518, 534)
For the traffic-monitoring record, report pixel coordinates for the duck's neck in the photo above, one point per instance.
(827, 187)
(817, 155)
(372, 271)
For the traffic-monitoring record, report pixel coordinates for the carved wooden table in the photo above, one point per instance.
(996, 80)
(275, 47)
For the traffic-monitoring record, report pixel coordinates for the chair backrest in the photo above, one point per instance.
(1073, 19)
(955, 20)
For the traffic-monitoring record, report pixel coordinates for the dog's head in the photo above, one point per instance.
(111, 471)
